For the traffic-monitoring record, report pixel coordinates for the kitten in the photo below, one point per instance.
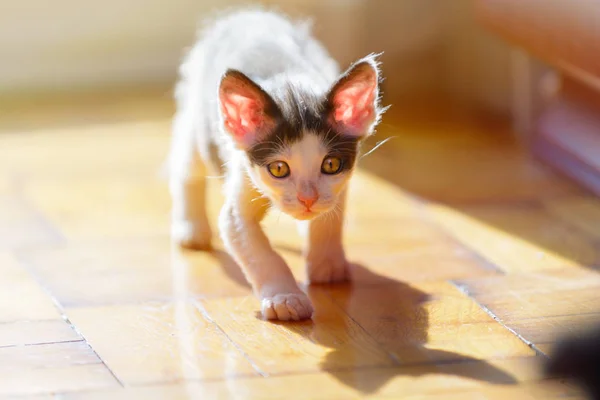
(258, 92)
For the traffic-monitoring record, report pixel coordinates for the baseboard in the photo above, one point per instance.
(568, 164)
(568, 138)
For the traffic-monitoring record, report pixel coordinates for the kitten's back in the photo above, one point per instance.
(261, 44)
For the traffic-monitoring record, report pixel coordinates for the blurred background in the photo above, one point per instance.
(462, 54)
(429, 45)
(482, 209)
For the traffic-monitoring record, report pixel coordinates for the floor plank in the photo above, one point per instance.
(465, 248)
(519, 238)
(27, 332)
(542, 306)
(27, 313)
(330, 341)
(21, 297)
(22, 226)
(103, 207)
(448, 381)
(95, 272)
(159, 342)
(428, 322)
(53, 367)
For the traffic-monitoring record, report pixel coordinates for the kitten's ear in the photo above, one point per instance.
(353, 102)
(249, 113)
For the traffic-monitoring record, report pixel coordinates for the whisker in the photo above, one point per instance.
(378, 145)
(266, 205)
(258, 198)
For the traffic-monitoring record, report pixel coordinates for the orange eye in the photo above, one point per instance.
(279, 169)
(331, 165)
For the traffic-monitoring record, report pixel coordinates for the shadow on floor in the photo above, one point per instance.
(230, 267)
(392, 314)
(403, 322)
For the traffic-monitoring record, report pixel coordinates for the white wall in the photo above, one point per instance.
(428, 44)
(411, 33)
(79, 42)
(477, 65)
(71, 42)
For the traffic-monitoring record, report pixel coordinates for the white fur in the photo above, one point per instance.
(304, 158)
(270, 49)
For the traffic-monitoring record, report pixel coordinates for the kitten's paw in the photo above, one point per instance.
(285, 307)
(194, 235)
(328, 270)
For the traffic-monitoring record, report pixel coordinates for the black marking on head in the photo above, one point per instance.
(301, 112)
(344, 147)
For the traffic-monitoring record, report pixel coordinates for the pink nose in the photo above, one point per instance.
(308, 201)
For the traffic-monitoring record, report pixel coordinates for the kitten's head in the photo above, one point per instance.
(301, 147)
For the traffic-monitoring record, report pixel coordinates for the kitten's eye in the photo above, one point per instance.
(331, 165)
(279, 169)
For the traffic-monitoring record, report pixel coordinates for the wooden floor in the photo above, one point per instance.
(470, 259)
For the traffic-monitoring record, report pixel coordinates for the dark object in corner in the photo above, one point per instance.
(578, 358)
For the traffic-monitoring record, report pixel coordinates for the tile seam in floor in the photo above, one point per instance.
(488, 311)
(549, 316)
(200, 307)
(27, 267)
(201, 297)
(380, 346)
(41, 343)
(299, 373)
(362, 368)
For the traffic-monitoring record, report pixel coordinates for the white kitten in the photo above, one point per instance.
(263, 93)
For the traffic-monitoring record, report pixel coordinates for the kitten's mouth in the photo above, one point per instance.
(306, 214)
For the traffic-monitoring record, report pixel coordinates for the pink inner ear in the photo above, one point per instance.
(354, 105)
(243, 115)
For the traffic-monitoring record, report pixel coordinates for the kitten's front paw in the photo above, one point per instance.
(194, 235)
(285, 307)
(328, 269)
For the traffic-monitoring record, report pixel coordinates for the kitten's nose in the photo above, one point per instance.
(308, 200)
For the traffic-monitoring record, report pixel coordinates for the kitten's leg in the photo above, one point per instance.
(325, 257)
(189, 222)
(267, 272)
